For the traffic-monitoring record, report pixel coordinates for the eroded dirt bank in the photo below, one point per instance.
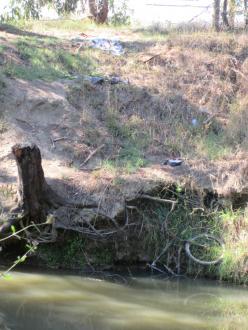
(151, 207)
(107, 144)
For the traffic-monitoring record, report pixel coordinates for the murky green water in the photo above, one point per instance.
(59, 302)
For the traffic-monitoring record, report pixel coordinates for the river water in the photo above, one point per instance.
(111, 302)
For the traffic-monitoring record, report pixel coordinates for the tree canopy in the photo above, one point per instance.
(98, 10)
(28, 9)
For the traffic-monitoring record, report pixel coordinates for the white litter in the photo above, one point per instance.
(110, 45)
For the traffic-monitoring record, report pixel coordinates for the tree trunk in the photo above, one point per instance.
(34, 195)
(99, 10)
(36, 199)
(216, 15)
(232, 13)
(224, 14)
(246, 13)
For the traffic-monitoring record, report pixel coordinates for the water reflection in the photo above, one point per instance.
(31, 301)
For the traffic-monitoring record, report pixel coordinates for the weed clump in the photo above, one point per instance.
(219, 234)
(67, 254)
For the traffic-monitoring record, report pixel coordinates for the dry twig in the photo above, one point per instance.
(91, 155)
(156, 199)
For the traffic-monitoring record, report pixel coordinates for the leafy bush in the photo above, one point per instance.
(119, 12)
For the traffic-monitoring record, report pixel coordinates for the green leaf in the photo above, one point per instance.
(23, 258)
(7, 277)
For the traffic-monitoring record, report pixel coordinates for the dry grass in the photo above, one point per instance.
(173, 80)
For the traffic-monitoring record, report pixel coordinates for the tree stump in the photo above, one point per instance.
(34, 196)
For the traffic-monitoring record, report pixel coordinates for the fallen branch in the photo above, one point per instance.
(240, 73)
(91, 155)
(60, 139)
(156, 199)
(24, 122)
(15, 234)
(170, 270)
(211, 117)
(151, 58)
(162, 253)
(86, 231)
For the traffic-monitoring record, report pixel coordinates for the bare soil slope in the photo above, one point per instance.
(108, 143)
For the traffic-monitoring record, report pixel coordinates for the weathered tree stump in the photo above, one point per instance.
(34, 195)
(35, 198)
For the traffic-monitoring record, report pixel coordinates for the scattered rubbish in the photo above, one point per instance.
(112, 45)
(173, 162)
(96, 80)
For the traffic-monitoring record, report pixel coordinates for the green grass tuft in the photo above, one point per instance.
(46, 59)
(213, 146)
